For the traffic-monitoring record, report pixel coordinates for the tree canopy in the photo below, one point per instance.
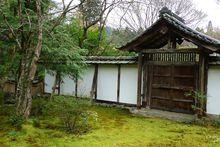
(43, 34)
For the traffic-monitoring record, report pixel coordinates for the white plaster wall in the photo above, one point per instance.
(67, 86)
(213, 90)
(48, 81)
(128, 84)
(107, 83)
(85, 82)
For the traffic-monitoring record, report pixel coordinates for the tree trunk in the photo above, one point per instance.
(28, 68)
(23, 91)
(56, 81)
(83, 38)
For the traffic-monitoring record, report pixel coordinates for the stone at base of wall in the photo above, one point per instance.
(147, 112)
(117, 105)
(163, 114)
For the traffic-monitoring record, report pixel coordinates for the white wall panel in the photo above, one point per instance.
(67, 86)
(128, 84)
(85, 82)
(213, 91)
(107, 83)
(48, 82)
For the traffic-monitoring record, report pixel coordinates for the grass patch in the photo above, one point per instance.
(114, 127)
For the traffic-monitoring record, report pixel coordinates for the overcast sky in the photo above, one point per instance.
(211, 8)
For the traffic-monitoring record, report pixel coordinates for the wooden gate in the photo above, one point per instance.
(168, 77)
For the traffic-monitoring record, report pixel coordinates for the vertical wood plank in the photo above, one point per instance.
(169, 44)
(76, 86)
(206, 68)
(203, 68)
(171, 104)
(43, 92)
(96, 80)
(150, 80)
(201, 72)
(144, 88)
(93, 93)
(59, 83)
(139, 84)
(118, 82)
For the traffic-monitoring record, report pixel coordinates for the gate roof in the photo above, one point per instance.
(169, 24)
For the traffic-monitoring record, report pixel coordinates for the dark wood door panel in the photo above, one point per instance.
(183, 82)
(162, 104)
(168, 86)
(159, 92)
(162, 70)
(161, 80)
(184, 70)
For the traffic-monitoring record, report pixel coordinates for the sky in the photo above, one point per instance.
(212, 10)
(210, 7)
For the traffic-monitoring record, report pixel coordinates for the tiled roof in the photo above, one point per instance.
(110, 60)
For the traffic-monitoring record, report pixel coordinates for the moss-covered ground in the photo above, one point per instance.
(114, 127)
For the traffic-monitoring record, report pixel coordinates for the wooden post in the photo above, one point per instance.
(139, 82)
(202, 77)
(169, 44)
(59, 83)
(174, 43)
(203, 74)
(144, 88)
(93, 93)
(118, 83)
(149, 84)
(171, 41)
(76, 86)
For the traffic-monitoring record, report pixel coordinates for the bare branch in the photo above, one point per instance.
(67, 9)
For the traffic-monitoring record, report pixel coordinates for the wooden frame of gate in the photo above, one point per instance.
(168, 74)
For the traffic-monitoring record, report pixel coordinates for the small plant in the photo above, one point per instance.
(200, 100)
(16, 121)
(79, 122)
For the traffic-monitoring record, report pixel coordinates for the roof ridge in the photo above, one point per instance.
(166, 11)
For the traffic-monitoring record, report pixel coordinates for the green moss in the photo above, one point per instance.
(114, 127)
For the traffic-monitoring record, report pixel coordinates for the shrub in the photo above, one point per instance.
(72, 113)
(78, 122)
(38, 106)
(6, 104)
(16, 121)
(7, 98)
(6, 110)
(200, 100)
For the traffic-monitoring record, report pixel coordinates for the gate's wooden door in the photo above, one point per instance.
(168, 85)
